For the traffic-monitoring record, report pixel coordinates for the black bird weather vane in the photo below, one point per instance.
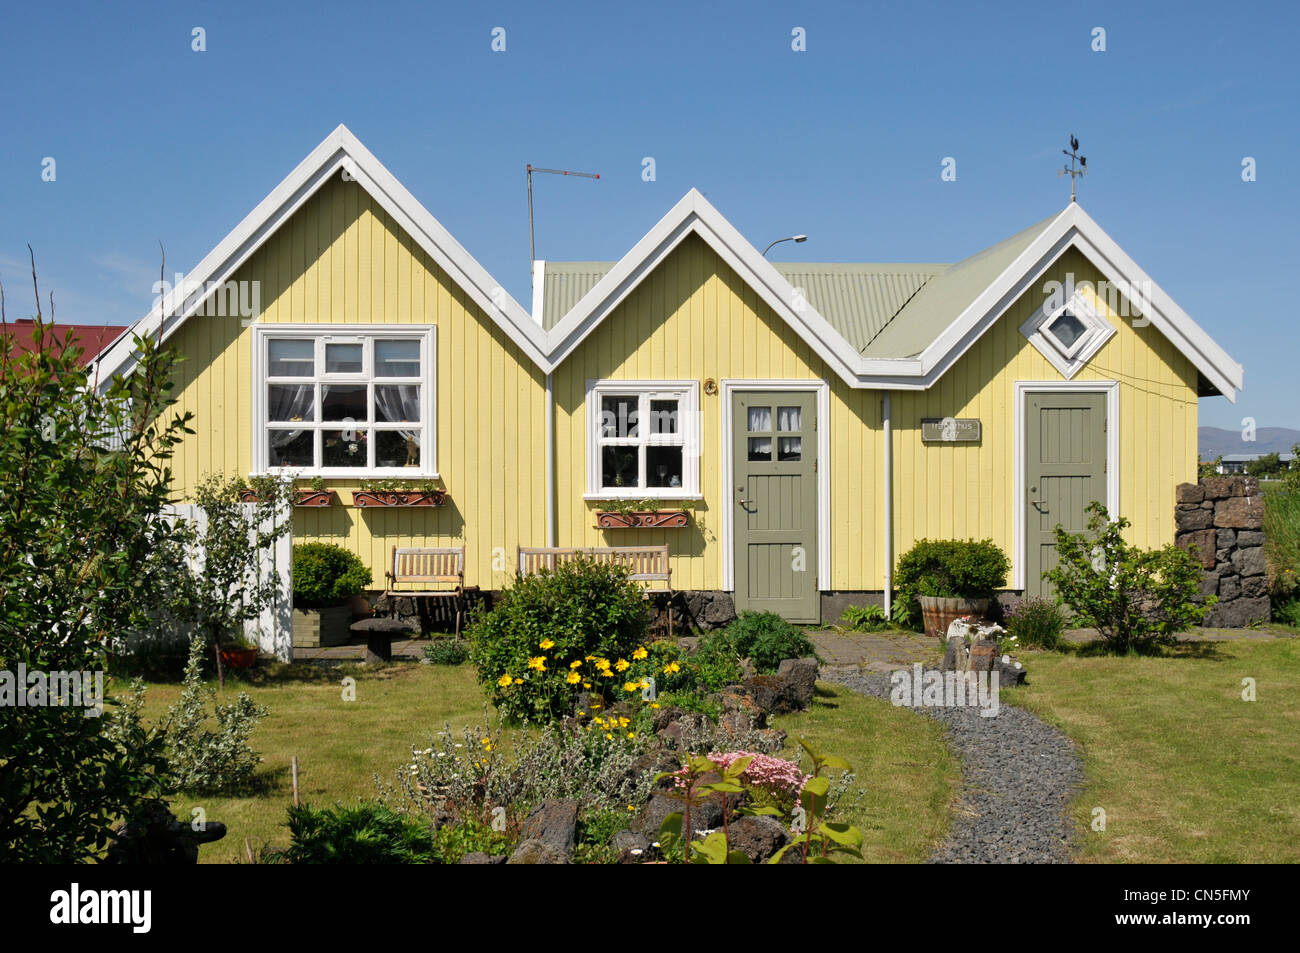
(1071, 170)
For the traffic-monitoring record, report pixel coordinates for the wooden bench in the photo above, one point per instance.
(643, 564)
(438, 572)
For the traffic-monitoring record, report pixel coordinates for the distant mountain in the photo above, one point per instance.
(1215, 441)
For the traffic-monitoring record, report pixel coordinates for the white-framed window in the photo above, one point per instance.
(1068, 335)
(344, 401)
(643, 439)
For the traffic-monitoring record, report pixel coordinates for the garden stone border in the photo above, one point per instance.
(1019, 777)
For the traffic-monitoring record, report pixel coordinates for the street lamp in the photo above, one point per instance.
(793, 238)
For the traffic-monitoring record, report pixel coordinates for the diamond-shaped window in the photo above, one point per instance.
(1067, 329)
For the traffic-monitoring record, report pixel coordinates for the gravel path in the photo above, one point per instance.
(1019, 777)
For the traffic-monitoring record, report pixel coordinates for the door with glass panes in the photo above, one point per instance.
(774, 496)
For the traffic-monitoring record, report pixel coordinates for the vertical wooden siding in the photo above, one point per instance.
(965, 490)
(694, 318)
(342, 260)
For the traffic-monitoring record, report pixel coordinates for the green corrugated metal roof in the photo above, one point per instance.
(564, 285)
(883, 310)
(936, 306)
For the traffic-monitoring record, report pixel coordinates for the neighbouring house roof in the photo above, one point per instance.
(1250, 457)
(876, 326)
(92, 338)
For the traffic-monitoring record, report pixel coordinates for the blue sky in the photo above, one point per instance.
(154, 142)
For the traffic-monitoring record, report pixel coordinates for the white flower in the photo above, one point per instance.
(636, 851)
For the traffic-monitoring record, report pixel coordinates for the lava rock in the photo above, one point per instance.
(538, 852)
(757, 837)
(478, 857)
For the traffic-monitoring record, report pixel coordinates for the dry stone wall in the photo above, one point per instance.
(1224, 518)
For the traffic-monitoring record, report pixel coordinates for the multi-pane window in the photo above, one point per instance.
(643, 439)
(343, 404)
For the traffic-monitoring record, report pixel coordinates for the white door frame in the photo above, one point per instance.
(822, 390)
(1022, 390)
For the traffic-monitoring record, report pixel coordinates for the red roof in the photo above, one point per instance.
(92, 338)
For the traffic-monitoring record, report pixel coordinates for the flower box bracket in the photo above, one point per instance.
(642, 519)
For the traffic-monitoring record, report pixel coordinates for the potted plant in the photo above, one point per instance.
(951, 579)
(238, 653)
(643, 514)
(314, 494)
(399, 493)
(325, 578)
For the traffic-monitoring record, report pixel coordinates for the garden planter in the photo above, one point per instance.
(398, 498)
(300, 497)
(642, 519)
(939, 612)
(317, 628)
(237, 657)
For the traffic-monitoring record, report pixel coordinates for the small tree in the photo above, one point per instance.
(86, 480)
(1135, 598)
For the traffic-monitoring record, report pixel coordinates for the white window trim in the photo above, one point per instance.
(1022, 390)
(726, 534)
(687, 394)
(1069, 361)
(427, 334)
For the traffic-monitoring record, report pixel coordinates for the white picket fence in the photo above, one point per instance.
(272, 631)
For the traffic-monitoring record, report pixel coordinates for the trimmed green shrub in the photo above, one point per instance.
(524, 648)
(368, 833)
(447, 651)
(325, 575)
(1137, 598)
(1036, 622)
(763, 637)
(954, 569)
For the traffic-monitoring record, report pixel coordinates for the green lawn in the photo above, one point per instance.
(1186, 771)
(907, 774)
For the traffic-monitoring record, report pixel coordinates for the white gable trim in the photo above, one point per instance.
(341, 152)
(1074, 228)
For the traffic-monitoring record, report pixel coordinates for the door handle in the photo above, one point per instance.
(1034, 504)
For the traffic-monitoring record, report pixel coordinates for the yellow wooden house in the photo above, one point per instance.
(813, 420)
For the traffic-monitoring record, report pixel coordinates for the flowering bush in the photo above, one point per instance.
(556, 634)
(778, 777)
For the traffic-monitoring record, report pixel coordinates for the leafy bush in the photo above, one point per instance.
(1134, 598)
(326, 575)
(1288, 613)
(955, 569)
(1036, 622)
(689, 701)
(368, 833)
(865, 618)
(1282, 538)
(905, 613)
(470, 836)
(204, 761)
(447, 651)
(716, 662)
(766, 638)
(527, 646)
(86, 477)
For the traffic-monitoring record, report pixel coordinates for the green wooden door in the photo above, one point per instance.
(774, 455)
(1065, 470)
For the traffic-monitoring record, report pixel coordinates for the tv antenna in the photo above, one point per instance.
(532, 255)
(1071, 170)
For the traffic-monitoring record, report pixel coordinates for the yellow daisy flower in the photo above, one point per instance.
(546, 643)
(640, 653)
(504, 680)
(573, 678)
(622, 665)
(519, 681)
(538, 663)
(577, 663)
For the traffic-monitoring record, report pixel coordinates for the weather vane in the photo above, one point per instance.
(1070, 170)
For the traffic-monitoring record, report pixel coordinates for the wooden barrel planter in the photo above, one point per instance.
(940, 612)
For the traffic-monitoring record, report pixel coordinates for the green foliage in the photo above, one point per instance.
(1282, 538)
(954, 569)
(368, 833)
(716, 662)
(1036, 622)
(86, 479)
(1134, 598)
(692, 702)
(326, 575)
(470, 836)
(1265, 466)
(1288, 612)
(767, 639)
(204, 761)
(905, 613)
(870, 618)
(821, 838)
(1209, 468)
(394, 485)
(649, 505)
(580, 609)
(596, 829)
(447, 651)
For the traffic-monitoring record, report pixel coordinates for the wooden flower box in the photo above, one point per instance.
(369, 498)
(642, 519)
(300, 497)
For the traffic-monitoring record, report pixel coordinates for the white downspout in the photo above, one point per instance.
(888, 458)
(550, 461)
